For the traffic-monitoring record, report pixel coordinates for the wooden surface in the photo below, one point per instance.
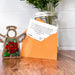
(30, 66)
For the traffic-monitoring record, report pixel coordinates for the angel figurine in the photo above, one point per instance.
(11, 44)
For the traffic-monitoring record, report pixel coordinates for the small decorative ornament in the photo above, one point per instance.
(11, 44)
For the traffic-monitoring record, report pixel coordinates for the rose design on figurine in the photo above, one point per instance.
(12, 47)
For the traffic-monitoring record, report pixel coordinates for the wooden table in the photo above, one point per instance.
(30, 66)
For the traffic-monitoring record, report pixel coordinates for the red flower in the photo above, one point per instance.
(12, 47)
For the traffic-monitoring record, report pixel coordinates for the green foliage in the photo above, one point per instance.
(39, 3)
(42, 4)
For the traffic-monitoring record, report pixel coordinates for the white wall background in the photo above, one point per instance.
(16, 12)
(66, 12)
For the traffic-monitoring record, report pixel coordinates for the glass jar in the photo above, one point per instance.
(47, 17)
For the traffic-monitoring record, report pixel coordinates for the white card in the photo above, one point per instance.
(39, 30)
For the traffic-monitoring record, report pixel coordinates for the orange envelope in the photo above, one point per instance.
(46, 49)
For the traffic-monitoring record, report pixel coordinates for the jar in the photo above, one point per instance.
(47, 17)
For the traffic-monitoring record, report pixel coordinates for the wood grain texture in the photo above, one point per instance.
(31, 66)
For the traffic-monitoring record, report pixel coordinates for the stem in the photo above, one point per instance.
(52, 9)
(50, 20)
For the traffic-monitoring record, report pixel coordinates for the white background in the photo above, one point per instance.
(18, 13)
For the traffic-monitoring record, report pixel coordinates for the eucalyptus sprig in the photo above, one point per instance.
(55, 3)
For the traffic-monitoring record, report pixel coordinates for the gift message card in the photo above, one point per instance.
(39, 30)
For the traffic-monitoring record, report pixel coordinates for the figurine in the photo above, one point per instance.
(11, 44)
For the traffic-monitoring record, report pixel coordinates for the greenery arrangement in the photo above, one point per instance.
(44, 4)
